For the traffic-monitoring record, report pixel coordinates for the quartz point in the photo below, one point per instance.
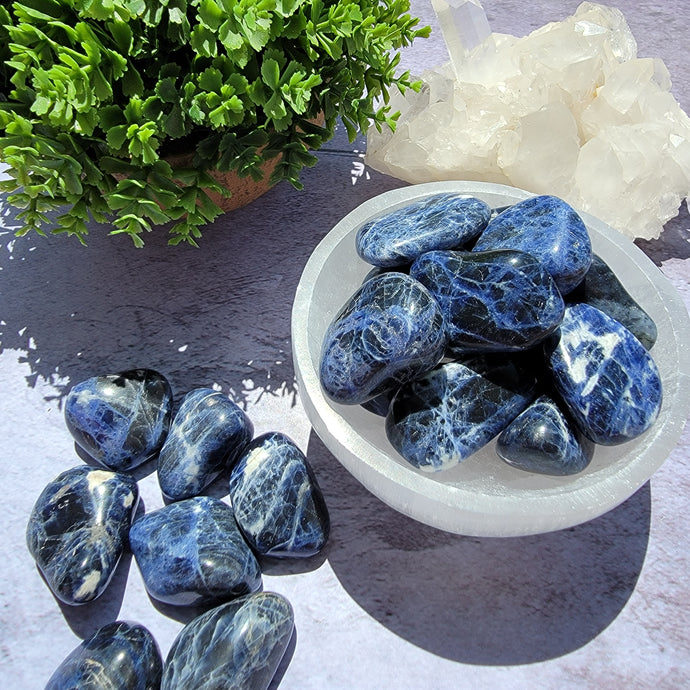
(492, 301)
(277, 500)
(207, 435)
(78, 528)
(440, 419)
(235, 646)
(118, 655)
(608, 381)
(390, 331)
(120, 420)
(568, 110)
(192, 552)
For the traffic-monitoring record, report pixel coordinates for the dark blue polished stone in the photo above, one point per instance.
(118, 655)
(390, 331)
(441, 221)
(380, 404)
(192, 552)
(78, 528)
(550, 230)
(277, 501)
(121, 420)
(236, 646)
(541, 439)
(493, 301)
(209, 433)
(607, 379)
(602, 289)
(442, 418)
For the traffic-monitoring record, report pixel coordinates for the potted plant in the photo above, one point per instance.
(121, 110)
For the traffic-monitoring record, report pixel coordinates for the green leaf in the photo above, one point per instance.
(270, 71)
(174, 123)
(210, 14)
(132, 83)
(166, 91)
(211, 79)
(116, 137)
(122, 35)
(203, 41)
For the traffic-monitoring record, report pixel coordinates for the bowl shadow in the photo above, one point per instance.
(484, 601)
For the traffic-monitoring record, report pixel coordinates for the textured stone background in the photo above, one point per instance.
(391, 604)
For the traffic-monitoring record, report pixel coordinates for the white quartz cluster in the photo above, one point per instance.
(569, 110)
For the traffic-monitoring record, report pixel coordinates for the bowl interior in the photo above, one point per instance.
(483, 496)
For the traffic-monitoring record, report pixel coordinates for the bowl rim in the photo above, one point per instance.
(422, 496)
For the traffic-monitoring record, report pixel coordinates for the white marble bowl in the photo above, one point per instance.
(484, 496)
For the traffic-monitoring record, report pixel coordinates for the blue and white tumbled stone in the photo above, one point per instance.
(208, 434)
(118, 655)
(236, 646)
(440, 419)
(541, 439)
(277, 501)
(493, 301)
(390, 331)
(601, 288)
(121, 420)
(549, 229)
(192, 552)
(604, 375)
(441, 221)
(77, 530)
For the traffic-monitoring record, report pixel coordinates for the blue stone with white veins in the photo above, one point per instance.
(390, 331)
(236, 646)
(601, 288)
(441, 221)
(440, 419)
(192, 552)
(120, 420)
(118, 655)
(542, 440)
(77, 530)
(604, 375)
(493, 301)
(277, 501)
(208, 434)
(549, 229)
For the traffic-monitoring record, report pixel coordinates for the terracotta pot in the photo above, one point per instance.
(244, 189)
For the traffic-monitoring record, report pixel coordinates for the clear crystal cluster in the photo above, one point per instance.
(568, 110)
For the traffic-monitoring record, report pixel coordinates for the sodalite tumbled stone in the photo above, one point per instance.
(601, 288)
(493, 301)
(549, 229)
(78, 528)
(442, 418)
(390, 331)
(607, 379)
(277, 501)
(121, 420)
(236, 646)
(118, 655)
(192, 552)
(441, 221)
(208, 433)
(541, 439)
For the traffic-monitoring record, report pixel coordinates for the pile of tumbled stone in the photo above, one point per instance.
(196, 550)
(476, 324)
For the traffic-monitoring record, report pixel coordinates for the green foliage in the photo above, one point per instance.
(94, 94)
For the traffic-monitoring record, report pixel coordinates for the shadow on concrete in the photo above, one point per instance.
(480, 600)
